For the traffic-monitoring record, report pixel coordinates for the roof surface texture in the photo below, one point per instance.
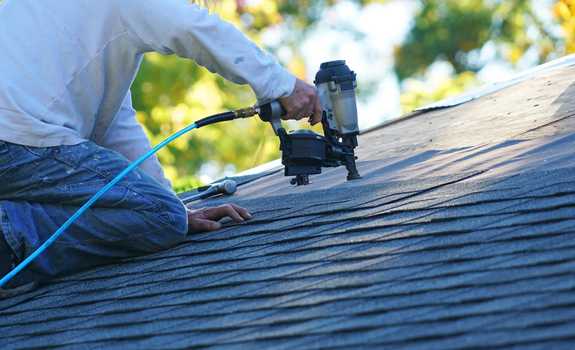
(461, 234)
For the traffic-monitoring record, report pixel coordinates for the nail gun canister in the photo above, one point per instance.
(336, 85)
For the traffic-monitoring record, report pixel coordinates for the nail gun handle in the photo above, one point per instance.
(272, 111)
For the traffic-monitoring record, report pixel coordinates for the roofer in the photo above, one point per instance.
(67, 125)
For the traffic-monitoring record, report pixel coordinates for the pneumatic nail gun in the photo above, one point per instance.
(304, 152)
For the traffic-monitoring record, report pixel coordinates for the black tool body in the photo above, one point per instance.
(304, 152)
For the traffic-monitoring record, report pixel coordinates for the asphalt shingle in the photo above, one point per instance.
(460, 235)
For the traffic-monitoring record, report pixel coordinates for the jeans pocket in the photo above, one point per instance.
(6, 158)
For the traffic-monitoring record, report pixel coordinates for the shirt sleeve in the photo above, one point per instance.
(127, 137)
(187, 30)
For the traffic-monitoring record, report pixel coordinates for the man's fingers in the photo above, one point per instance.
(223, 211)
(295, 112)
(309, 110)
(206, 219)
(242, 211)
(301, 103)
(317, 113)
(308, 102)
(202, 225)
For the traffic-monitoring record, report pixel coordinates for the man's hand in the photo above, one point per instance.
(303, 103)
(206, 219)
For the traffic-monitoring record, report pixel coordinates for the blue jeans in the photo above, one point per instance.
(40, 188)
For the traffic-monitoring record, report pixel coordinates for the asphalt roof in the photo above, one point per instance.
(460, 235)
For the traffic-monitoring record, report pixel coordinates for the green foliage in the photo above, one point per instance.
(419, 93)
(186, 184)
(564, 12)
(444, 30)
(300, 14)
(455, 31)
(451, 29)
(171, 93)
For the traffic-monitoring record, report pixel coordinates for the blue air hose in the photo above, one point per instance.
(243, 113)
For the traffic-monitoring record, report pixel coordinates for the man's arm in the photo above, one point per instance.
(127, 137)
(187, 30)
(178, 27)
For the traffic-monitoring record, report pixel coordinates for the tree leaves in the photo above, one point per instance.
(564, 12)
(452, 29)
(456, 31)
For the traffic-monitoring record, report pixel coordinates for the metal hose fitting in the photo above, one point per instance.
(246, 112)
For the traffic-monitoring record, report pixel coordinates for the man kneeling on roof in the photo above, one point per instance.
(67, 126)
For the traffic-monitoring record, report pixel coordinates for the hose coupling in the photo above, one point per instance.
(246, 112)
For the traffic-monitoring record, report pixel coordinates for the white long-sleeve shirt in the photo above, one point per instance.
(66, 67)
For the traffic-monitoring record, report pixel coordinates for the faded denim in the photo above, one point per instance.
(40, 188)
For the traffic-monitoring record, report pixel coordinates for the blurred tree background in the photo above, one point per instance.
(467, 34)
(462, 37)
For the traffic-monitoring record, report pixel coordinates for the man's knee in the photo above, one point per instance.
(178, 217)
(168, 222)
(145, 195)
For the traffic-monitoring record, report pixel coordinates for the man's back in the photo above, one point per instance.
(65, 66)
